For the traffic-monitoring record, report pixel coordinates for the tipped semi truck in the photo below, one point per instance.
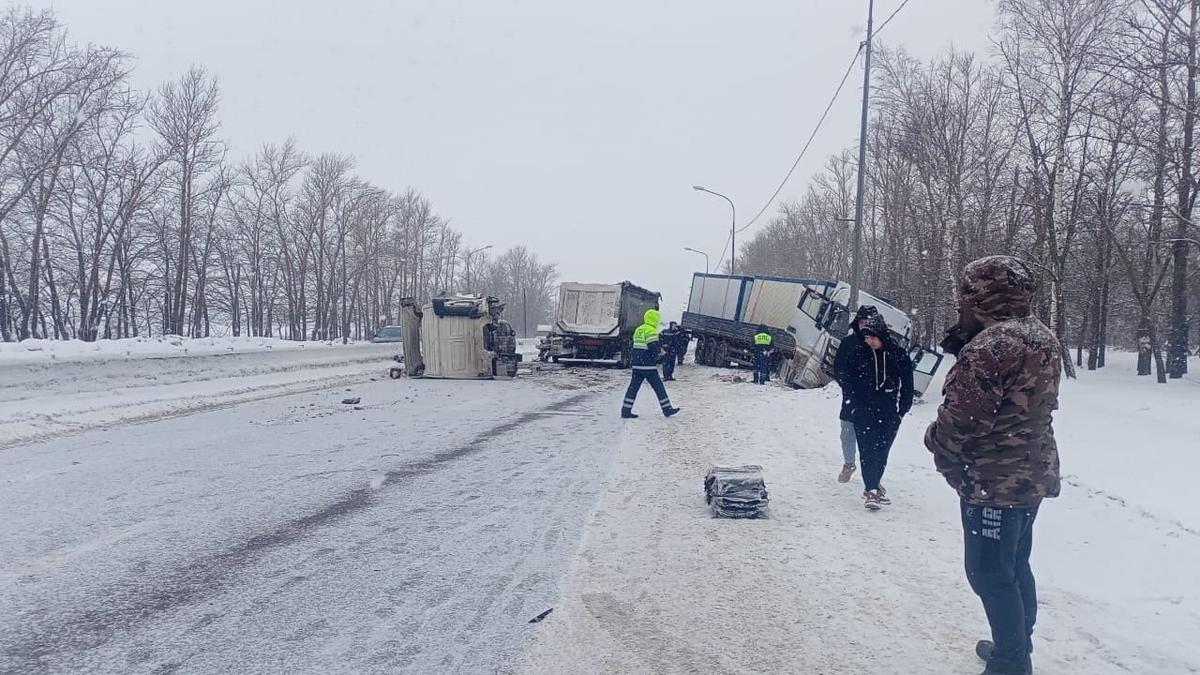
(807, 317)
(595, 323)
(460, 337)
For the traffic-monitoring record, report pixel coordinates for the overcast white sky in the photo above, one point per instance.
(575, 128)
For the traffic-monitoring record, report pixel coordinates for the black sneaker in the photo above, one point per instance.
(670, 412)
(628, 415)
(984, 649)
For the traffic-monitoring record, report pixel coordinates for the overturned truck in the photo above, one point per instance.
(460, 337)
(807, 317)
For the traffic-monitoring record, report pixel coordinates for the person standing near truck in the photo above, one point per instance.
(762, 355)
(850, 345)
(881, 394)
(671, 339)
(993, 441)
(685, 339)
(647, 349)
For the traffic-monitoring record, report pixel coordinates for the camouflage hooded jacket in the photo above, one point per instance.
(993, 440)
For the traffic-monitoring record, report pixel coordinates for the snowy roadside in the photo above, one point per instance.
(825, 587)
(168, 346)
(41, 397)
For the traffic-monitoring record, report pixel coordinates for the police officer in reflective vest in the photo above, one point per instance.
(762, 356)
(647, 349)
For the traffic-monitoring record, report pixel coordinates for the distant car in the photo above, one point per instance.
(388, 334)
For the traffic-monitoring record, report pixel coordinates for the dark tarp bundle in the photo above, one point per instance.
(736, 491)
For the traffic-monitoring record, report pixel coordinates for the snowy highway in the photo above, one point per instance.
(421, 529)
(416, 532)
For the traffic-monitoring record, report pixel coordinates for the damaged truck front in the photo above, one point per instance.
(460, 337)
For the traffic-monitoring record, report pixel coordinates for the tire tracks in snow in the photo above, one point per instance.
(42, 641)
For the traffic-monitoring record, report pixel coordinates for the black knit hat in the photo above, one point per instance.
(876, 326)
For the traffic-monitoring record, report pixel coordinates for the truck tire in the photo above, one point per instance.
(625, 360)
(702, 349)
(721, 354)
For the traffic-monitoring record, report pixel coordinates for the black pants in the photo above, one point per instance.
(669, 365)
(875, 433)
(998, 542)
(683, 353)
(762, 369)
(635, 384)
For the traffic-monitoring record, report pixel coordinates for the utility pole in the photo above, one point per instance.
(856, 251)
(525, 311)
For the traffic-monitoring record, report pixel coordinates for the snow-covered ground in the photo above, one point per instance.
(420, 530)
(824, 586)
(41, 351)
(49, 388)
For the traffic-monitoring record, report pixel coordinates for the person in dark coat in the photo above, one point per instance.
(841, 370)
(685, 339)
(880, 380)
(993, 441)
(671, 340)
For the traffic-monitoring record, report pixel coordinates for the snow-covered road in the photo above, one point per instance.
(419, 531)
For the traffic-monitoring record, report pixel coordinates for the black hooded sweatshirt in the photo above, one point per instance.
(850, 345)
(877, 383)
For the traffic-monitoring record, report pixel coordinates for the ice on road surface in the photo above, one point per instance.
(421, 530)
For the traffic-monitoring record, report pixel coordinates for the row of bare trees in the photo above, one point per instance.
(121, 215)
(1074, 147)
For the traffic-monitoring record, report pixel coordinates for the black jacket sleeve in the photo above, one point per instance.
(906, 382)
(841, 362)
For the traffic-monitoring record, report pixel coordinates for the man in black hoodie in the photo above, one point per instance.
(880, 381)
(841, 370)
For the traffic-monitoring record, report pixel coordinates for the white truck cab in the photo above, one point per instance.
(821, 321)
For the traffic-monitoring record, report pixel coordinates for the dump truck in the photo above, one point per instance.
(458, 337)
(595, 323)
(806, 316)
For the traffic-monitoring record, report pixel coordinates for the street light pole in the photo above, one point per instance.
(707, 269)
(732, 226)
(856, 260)
(467, 258)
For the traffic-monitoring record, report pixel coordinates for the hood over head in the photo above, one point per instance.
(652, 318)
(864, 312)
(998, 288)
(994, 289)
(877, 326)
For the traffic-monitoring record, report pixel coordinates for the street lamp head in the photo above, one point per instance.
(699, 187)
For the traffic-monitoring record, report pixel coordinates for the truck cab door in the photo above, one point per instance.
(925, 366)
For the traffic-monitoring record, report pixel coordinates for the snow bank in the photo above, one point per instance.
(141, 347)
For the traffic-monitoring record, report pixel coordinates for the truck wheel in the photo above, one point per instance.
(721, 356)
(702, 351)
(626, 358)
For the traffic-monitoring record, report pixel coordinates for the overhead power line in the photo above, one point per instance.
(892, 16)
(807, 145)
(820, 123)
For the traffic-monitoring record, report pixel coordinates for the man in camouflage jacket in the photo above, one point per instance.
(994, 444)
